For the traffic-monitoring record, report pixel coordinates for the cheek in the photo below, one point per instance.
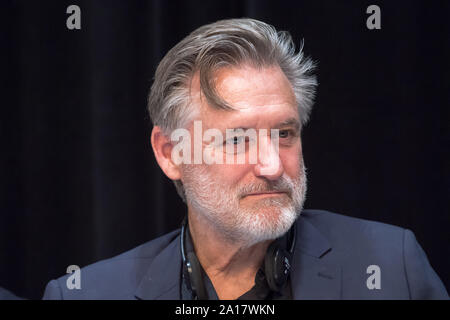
(291, 161)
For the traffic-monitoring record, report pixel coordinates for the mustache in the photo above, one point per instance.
(283, 184)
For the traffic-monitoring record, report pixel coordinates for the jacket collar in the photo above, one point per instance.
(311, 276)
(163, 279)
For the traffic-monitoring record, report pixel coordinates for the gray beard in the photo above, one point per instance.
(245, 226)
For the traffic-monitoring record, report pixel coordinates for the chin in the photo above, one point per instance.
(269, 207)
(268, 214)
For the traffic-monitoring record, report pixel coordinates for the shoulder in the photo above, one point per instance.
(325, 218)
(117, 277)
(339, 228)
(357, 244)
(356, 240)
(141, 253)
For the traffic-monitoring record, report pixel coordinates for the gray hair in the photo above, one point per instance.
(224, 43)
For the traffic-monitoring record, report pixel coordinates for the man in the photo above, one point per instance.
(246, 235)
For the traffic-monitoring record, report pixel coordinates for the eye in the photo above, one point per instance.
(284, 133)
(236, 140)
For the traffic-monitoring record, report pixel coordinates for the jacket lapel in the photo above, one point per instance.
(311, 276)
(162, 281)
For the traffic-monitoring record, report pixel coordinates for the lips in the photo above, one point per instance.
(268, 193)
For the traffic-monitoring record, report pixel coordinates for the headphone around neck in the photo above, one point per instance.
(277, 263)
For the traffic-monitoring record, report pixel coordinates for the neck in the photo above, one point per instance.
(231, 265)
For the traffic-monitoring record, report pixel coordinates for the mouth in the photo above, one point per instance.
(266, 194)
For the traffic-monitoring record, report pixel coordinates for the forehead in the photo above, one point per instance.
(261, 98)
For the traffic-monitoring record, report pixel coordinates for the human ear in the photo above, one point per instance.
(162, 148)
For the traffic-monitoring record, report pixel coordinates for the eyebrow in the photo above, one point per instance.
(290, 122)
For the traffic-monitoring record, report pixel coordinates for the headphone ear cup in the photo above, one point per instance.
(269, 265)
(277, 265)
(196, 277)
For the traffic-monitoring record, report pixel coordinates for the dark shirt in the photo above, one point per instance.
(260, 291)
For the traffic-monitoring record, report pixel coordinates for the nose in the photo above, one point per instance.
(269, 164)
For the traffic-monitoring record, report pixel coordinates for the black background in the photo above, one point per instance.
(78, 179)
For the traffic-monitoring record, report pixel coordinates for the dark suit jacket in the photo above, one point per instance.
(330, 261)
(8, 295)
